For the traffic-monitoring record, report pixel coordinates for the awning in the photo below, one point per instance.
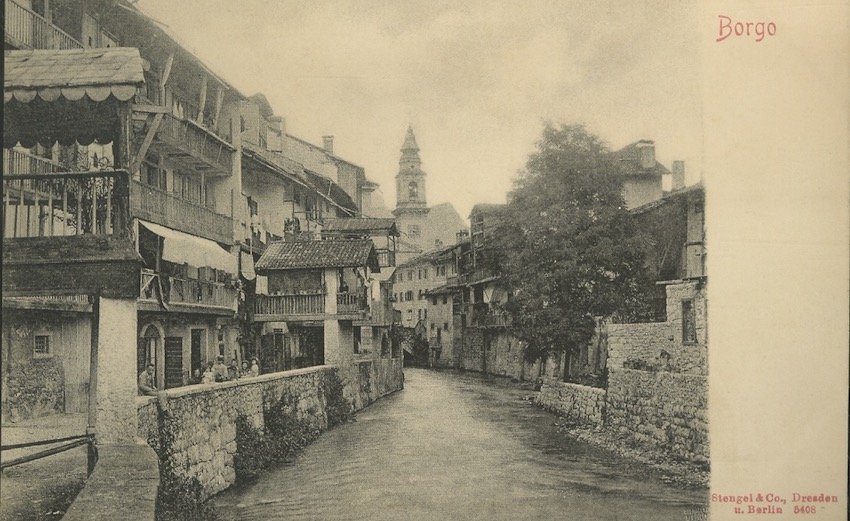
(72, 74)
(182, 248)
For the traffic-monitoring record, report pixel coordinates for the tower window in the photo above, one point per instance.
(412, 190)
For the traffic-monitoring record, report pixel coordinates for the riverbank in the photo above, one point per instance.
(457, 445)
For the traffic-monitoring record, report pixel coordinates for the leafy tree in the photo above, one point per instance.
(566, 245)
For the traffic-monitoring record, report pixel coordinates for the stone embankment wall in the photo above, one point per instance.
(204, 416)
(494, 351)
(657, 390)
(661, 410)
(579, 403)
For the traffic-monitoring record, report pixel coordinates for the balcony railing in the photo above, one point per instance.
(173, 290)
(17, 162)
(161, 207)
(47, 204)
(290, 305)
(348, 303)
(29, 30)
(194, 146)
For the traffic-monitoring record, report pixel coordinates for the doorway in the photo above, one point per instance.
(173, 361)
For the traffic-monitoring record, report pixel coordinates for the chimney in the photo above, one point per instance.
(646, 153)
(461, 235)
(328, 144)
(678, 175)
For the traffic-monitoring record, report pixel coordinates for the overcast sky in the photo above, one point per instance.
(476, 79)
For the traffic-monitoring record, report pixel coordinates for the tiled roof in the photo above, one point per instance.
(51, 73)
(361, 224)
(336, 253)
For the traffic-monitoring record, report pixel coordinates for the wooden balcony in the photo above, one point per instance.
(189, 145)
(159, 291)
(482, 315)
(275, 308)
(26, 29)
(67, 233)
(161, 207)
(350, 304)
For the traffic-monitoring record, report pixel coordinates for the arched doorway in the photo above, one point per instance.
(148, 352)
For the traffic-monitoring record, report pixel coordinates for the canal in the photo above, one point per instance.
(457, 446)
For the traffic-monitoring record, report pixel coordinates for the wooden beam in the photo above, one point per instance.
(202, 102)
(219, 98)
(144, 107)
(153, 128)
(166, 71)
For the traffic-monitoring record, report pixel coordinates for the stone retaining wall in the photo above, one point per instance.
(204, 416)
(661, 411)
(580, 403)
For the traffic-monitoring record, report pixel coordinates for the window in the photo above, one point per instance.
(425, 313)
(445, 326)
(445, 299)
(434, 300)
(410, 275)
(412, 190)
(152, 174)
(357, 339)
(689, 326)
(409, 295)
(419, 314)
(41, 346)
(425, 272)
(419, 295)
(420, 274)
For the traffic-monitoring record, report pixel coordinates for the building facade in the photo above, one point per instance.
(173, 181)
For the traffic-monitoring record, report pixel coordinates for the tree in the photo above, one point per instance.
(566, 245)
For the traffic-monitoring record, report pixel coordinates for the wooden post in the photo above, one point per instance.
(91, 428)
(202, 101)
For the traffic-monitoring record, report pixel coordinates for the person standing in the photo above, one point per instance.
(255, 367)
(220, 370)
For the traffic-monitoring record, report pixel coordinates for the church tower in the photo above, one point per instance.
(410, 180)
(411, 207)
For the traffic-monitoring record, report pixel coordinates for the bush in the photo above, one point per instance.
(338, 408)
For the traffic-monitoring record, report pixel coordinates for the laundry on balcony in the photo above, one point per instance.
(180, 248)
(246, 262)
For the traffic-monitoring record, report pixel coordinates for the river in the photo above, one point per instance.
(457, 446)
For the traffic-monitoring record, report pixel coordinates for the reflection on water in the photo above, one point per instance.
(454, 446)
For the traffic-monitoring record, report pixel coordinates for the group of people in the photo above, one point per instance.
(215, 372)
(218, 372)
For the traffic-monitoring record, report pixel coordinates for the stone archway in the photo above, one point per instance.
(151, 349)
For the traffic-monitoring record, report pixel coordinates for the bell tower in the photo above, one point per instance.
(410, 180)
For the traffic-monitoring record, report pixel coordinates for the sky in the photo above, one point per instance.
(477, 80)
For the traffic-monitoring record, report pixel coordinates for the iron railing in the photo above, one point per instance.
(61, 204)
